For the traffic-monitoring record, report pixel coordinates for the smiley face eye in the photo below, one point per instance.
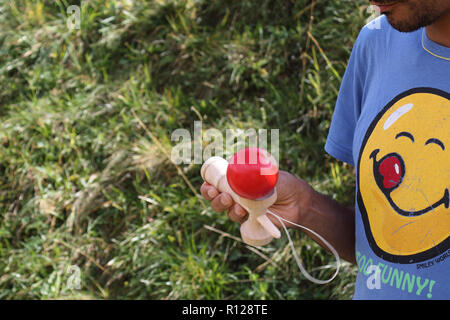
(436, 141)
(405, 134)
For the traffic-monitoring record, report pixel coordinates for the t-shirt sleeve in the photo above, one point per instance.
(339, 142)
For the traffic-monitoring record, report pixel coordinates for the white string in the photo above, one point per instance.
(300, 266)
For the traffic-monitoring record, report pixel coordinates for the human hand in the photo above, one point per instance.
(293, 200)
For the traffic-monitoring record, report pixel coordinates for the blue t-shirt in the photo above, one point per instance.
(392, 122)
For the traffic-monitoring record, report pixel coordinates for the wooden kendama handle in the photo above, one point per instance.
(258, 230)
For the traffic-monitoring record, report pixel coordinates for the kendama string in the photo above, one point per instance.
(299, 264)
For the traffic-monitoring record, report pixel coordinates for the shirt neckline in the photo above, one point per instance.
(434, 48)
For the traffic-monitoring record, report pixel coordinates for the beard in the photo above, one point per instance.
(412, 25)
(421, 14)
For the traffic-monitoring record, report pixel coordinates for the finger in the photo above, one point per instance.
(237, 213)
(222, 202)
(208, 191)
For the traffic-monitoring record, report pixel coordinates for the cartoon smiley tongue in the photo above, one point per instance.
(392, 171)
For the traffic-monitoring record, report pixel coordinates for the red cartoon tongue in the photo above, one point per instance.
(391, 171)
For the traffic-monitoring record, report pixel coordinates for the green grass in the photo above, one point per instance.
(76, 164)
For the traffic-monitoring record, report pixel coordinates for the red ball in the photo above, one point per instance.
(252, 173)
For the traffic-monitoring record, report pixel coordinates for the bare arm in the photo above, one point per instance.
(334, 222)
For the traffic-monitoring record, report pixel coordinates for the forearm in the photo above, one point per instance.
(334, 222)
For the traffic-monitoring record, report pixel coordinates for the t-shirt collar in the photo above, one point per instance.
(434, 48)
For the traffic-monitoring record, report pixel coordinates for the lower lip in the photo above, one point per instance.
(384, 8)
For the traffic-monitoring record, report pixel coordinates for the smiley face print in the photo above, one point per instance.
(404, 177)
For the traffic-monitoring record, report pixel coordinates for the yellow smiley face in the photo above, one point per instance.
(404, 177)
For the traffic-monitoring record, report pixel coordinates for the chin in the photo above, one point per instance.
(403, 25)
